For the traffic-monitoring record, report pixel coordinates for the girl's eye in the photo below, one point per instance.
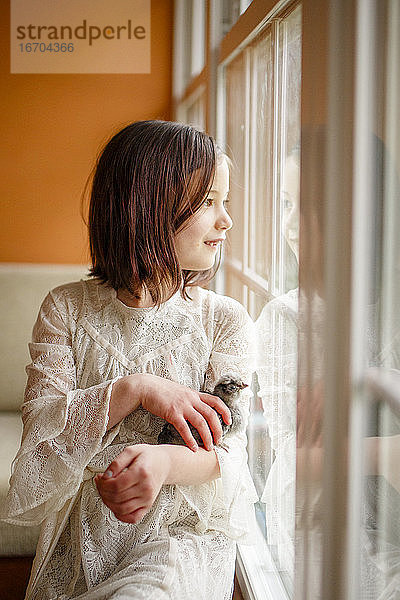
(211, 201)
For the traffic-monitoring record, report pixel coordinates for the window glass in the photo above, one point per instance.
(195, 112)
(198, 15)
(233, 287)
(262, 179)
(380, 503)
(189, 43)
(231, 11)
(263, 134)
(236, 143)
(259, 116)
(289, 142)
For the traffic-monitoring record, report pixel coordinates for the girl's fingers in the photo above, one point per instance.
(218, 404)
(123, 461)
(133, 517)
(128, 507)
(202, 417)
(138, 474)
(196, 419)
(110, 495)
(183, 429)
(212, 419)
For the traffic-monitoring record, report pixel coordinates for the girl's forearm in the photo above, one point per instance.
(125, 398)
(186, 467)
(134, 479)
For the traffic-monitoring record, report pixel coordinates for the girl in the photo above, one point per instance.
(114, 356)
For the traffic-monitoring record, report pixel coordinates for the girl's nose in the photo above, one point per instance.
(224, 221)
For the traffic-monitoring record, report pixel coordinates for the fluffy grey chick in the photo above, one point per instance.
(228, 388)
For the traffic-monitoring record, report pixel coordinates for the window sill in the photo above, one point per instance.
(258, 577)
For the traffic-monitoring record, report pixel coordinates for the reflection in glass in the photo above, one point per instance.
(380, 533)
(301, 375)
(380, 523)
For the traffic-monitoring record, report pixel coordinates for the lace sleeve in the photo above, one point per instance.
(64, 427)
(233, 494)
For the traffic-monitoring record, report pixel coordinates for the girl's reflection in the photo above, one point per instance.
(291, 388)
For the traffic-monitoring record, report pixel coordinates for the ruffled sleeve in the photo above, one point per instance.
(55, 448)
(233, 494)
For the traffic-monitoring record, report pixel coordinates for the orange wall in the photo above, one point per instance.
(52, 128)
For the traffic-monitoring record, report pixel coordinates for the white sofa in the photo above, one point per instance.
(22, 287)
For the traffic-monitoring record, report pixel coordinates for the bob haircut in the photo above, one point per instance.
(149, 180)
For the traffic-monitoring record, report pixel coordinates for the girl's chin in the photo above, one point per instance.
(199, 266)
(202, 262)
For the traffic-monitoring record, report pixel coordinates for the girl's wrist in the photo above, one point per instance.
(185, 467)
(137, 385)
(166, 463)
(125, 398)
(132, 387)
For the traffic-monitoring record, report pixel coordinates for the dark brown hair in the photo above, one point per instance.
(151, 177)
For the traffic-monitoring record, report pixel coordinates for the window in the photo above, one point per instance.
(348, 493)
(262, 131)
(189, 42)
(376, 352)
(193, 108)
(344, 442)
(257, 100)
(232, 9)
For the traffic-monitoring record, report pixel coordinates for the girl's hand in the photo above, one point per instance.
(178, 404)
(133, 481)
(171, 401)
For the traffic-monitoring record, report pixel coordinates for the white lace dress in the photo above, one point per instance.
(85, 339)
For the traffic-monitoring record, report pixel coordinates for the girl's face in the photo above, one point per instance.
(197, 243)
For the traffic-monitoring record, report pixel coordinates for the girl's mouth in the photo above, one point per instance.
(213, 243)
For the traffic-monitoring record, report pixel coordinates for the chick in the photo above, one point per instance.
(228, 388)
